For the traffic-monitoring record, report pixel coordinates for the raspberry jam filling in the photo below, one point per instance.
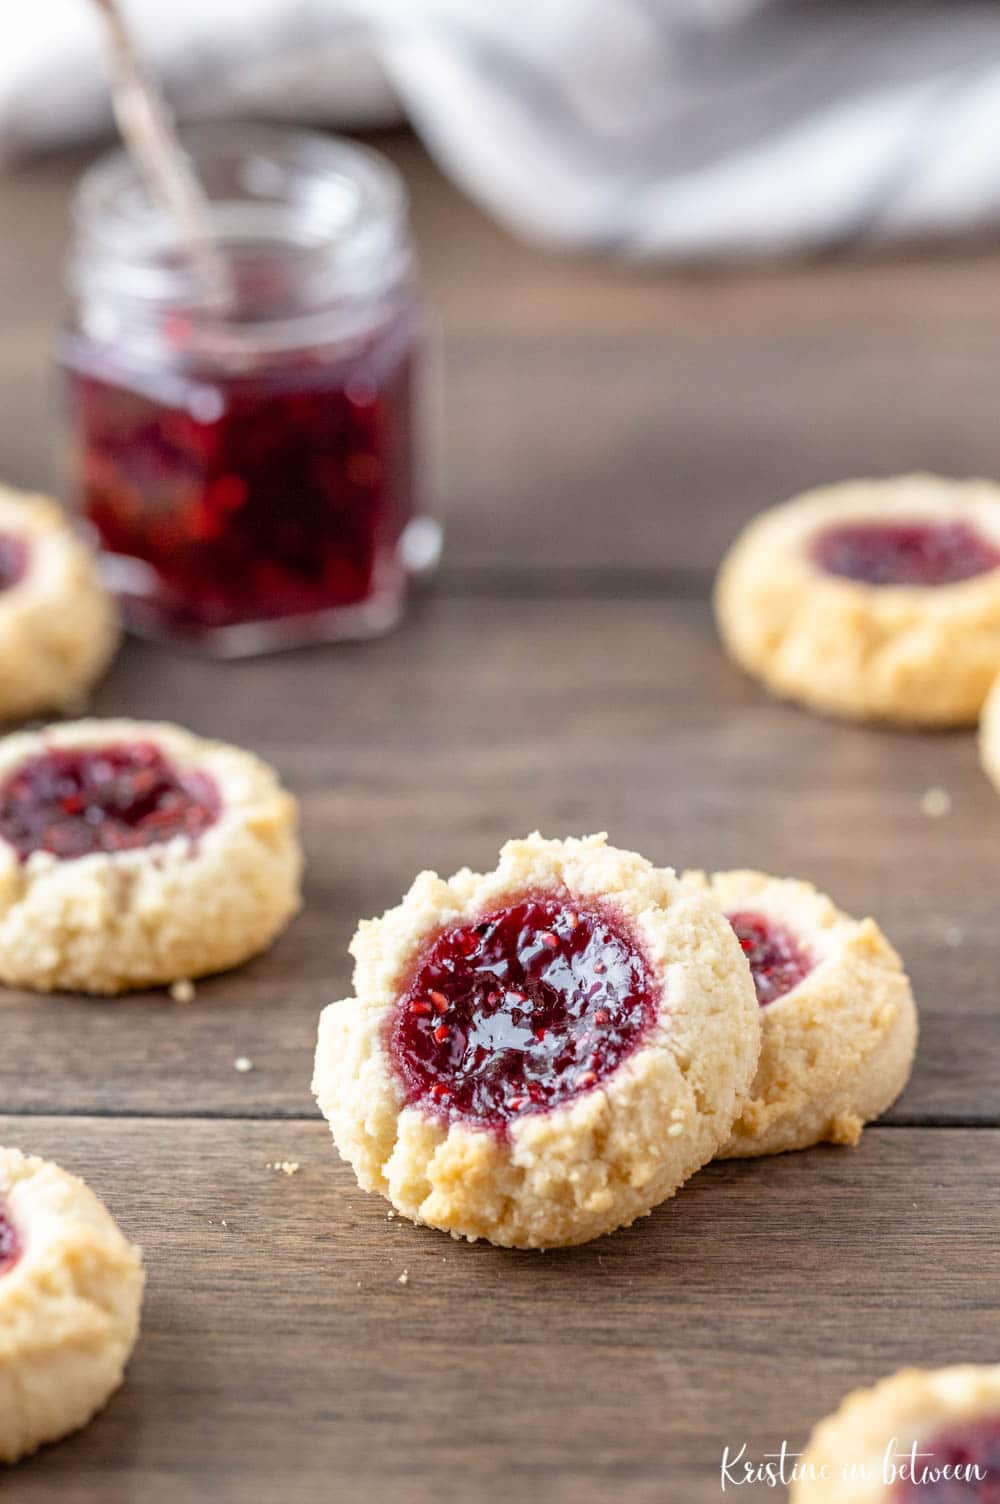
(10, 1244)
(958, 1465)
(72, 801)
(904, 553)
(13, 560)
(521, 1011)
(276, 493)
(778, 962)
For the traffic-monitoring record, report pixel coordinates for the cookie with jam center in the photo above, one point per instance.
(70, 1295)
(919, 1437)
(871, 600)
(838, 1020)
(542, 1053)
(135, 854)
(58, 624)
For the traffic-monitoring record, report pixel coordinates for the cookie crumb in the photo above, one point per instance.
(182, 991)
(286, 1166)
(936, 803)
(389, 1216)
(243, 1063)
(845, 1128)
(404, 1278)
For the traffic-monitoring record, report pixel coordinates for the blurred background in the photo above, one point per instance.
(687, 256)
(684, 258)
(670, 128)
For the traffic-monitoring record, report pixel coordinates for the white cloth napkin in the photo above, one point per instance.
(651, 128)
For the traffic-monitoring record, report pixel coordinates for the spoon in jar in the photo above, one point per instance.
(147, 128)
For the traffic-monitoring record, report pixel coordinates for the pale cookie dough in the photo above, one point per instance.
(196, 899)
(922, 655)
(70, 1295)
(607, 1144)
(58, 625)
(837, 1046)
(864, 1452)
(989, 735)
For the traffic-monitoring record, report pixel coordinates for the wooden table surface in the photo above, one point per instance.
(606, 431)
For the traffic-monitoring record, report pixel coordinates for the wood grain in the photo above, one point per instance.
(281, 1358)
(607, 430)
(486, 718)
(597, 418)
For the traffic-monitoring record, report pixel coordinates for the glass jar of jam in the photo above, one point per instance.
(249, 464)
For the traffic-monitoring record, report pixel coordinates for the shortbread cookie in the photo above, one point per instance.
(989, 735)
(917, 1438)
(58, 625)
(873, 599)
(70, 1293)
(839, 1026)
(133, 854)
(541, 1054)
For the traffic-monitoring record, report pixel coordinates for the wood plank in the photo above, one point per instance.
(487, 718)
(590, 454)
(597, 417)
(607, 431)
(651, 452)
(282, 1359)
(483, 280)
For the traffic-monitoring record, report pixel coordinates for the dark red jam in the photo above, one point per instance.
(777, 961)
(226, 499)
(959, 1465)
(72, 801)
(904, 553)
(10, 1243)
(521, 1011)
(13, 560)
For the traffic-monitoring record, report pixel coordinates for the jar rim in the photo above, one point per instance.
(331, 205)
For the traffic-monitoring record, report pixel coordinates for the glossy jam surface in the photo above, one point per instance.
(13, 560)
(970, 1450)
(72, 801)
(910, 553)
(226, 499)
(777, 960)
(521, 1011)
(10, 1244)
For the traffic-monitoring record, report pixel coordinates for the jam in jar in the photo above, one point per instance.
(248, 462)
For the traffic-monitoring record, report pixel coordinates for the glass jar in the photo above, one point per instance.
(250, 470)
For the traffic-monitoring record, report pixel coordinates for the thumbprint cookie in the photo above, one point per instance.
(58, 625)
(541, 1054)
(838, 1021)
(989, 735)
(70, 1294)
(920, 1437)
(875, 599)
(133, 853)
